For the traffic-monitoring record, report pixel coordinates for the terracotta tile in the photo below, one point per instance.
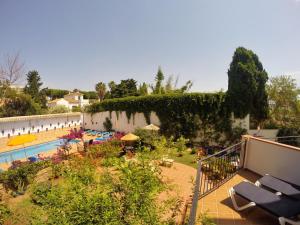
(210, 208)
(225, 218)
(220, 202)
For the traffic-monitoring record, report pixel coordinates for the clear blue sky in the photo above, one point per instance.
(76, 43)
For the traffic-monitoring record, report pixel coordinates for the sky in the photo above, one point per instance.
(77, 43)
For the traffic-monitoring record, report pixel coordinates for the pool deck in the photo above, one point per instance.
(42, 137)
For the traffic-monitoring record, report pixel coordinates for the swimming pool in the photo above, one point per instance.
(7, 157)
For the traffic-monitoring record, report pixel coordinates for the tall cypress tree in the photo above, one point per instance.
(247, 85)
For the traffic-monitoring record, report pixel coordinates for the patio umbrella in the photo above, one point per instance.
(130, 137)
(20, 140)
(151, 127)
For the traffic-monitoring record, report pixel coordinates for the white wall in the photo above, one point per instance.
(268, 157)
(12, 126)
(243, 123)
(95, 121)
(265, 133)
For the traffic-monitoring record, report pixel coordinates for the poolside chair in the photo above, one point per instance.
(284, 208)
(279, 186)
(33, 159)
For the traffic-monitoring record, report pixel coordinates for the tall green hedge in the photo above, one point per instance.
(179, 114)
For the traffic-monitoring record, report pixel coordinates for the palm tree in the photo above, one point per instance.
(101, 90)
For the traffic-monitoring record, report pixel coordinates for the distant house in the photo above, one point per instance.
(59, 101)
(73, 99)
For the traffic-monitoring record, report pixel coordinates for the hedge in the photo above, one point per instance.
(179, 114)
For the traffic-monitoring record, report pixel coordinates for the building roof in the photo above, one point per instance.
(56, 100)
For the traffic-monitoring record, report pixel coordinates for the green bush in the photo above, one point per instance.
(17, 179)
(235, 135)
(125, 196)
(59, 109)
(180, 145)
(40, 192)
(204, 219)
(4, 213)
(105, 150)
(147, 137)
(107, 124)
(112, 161)
(80, 170)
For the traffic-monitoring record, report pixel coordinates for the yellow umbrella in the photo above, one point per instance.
(151, 127)
(20, 140)
(130, 137)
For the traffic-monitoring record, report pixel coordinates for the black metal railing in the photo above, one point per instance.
(212, 172)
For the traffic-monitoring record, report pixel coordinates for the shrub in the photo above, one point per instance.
(40, 192)
(180, 145)
(80, 170)
(193, 151)
(105, 149)
(235, 135)
(147, 137)
(58, 109)
(127, 196)
(4, 213)
(17, 179)
(204, 219)
(112, 161)
(107, 124)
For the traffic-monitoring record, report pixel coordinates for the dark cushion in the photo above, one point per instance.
(276, 205)
(284, 187)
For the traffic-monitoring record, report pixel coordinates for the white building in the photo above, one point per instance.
(12, 126)
(59, 101)
(74, 99)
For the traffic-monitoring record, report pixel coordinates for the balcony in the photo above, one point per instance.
(248, 160)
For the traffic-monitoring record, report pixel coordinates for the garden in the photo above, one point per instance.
(97, 186)
(102, 184)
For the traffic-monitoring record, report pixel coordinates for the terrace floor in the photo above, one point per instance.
(218, 205)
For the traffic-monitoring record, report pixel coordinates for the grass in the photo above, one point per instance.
(187, 158)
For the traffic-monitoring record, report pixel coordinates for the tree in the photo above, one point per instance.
(283, 97)
(246, 85)
(90, 95)
(125, 88)
(143, 89)
(20, 105)
(171, 86)
(185, 88)
(158, 88)
(33, 87)
(101, 90)
(12, 69)
(55, 93)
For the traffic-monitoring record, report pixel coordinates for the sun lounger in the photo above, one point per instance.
(280, 186)
(286, 209)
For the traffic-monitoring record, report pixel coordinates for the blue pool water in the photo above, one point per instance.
(29, 151)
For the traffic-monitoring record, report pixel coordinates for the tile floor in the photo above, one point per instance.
(218, 205)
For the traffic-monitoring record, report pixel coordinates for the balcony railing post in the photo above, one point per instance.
(193, 212)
